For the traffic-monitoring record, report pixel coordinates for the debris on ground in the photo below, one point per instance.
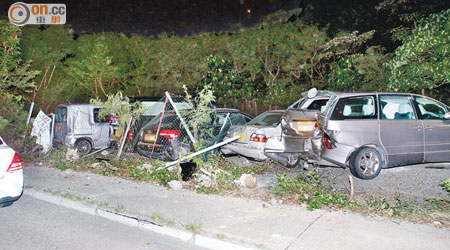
(72, 155)
(247, 181)
(175, 185)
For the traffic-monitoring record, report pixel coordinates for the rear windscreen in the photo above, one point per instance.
(267, 119)
(61, 114)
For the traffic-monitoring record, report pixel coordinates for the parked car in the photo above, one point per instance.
(253, 136)
(369, 131)
(79, 125)
(11, 175)
(172, 139)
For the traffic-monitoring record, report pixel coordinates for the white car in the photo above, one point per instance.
(11, 175)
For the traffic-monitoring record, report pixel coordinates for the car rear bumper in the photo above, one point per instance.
(245, 150)
(11, 186)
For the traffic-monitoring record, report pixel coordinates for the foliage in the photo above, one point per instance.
(229, 85)
(93, 67)
(202, 111)
(17, 76)
(403, 16)
(446, 184)
(360, 72)
(309, 188)
(423, 61)
(120, 106)
(49, 48)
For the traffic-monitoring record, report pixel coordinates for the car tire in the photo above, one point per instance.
(142, 152)
(366, 163)
(83, 146)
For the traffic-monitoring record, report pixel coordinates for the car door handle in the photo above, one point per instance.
(428, 127)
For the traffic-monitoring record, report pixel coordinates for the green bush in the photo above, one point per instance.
(423, 61)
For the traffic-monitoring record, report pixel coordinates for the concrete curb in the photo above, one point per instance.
(133, 221)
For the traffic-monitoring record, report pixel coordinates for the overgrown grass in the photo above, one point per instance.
(308, 188)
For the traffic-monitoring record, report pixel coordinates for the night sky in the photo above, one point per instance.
(150, 17)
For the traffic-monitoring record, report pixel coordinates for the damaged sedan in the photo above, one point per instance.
(253, 136)
(365, 132)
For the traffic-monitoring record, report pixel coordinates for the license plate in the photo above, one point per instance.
(305, 126)
(149, 138)
(241, 136)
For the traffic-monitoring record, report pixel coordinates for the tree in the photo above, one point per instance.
(93, 67)
(360, 72)
(423, 61)
(16, 75)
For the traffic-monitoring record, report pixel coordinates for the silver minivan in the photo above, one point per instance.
(369, 131)
(79, 125)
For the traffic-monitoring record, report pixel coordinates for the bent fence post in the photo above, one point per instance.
(124, 137)
(200, 152)
(30, 112)
(181, 118)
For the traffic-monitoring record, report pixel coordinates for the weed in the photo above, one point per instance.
(220, 236)
(119, 209)
(207, 190)
(309, 188)
(158, 218)
(171, 222)
(194, 228)
(445, 184)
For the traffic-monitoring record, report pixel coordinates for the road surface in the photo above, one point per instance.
(33, 224)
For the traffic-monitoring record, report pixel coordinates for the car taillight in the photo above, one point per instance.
(328, 142)
(16, 164)
(170, 134)
(258, 137)
(114, 118)
(130, 134)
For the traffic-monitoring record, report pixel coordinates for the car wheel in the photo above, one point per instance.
(83, 146)
(142, 152)
(366, 164)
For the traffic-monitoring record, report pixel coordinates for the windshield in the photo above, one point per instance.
(267, 119)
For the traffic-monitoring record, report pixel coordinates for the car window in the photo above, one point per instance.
(317, 104)
(397, 108)
(237, 119)
(61, 114)
(429, 109)
(247, 118)
(267, 119)
(97, 119)
(358, 107)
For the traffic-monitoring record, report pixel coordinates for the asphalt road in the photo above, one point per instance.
(34, 224)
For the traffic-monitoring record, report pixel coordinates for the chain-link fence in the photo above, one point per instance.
(180, 128)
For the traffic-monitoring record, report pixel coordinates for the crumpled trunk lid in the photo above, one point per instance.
(302, 137)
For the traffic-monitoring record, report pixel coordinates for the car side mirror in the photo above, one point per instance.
(447, 116)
